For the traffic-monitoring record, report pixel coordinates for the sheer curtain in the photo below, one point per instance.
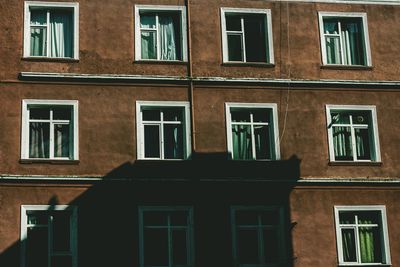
(167, 38)
(342, 142)
(173, 142)
(61, 34)
(241, 140)
(38, 140)
(38, 33)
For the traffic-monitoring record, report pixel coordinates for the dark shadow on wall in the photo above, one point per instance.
(108, 230)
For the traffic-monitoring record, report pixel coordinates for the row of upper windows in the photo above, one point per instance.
(258, 236)
(52, 31)
(50, 131)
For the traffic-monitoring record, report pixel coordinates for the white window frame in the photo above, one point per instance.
(25, 128)
(363, 16)
(185, 106)
(181, 10)
(384, 234)
(259, 227)
(374, 131)
(268, 27)
(73, 228)
(244, 106)
(74, 6)
(190, 231)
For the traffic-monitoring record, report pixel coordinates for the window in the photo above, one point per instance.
(361, 235)
(252, 131)
(257, 234)
(48, 236)
(49, 129)
(166, 236)
(51, 30)
(163, 130)
(353, 133)
(344, 39)
(247, 35)
(160, 33)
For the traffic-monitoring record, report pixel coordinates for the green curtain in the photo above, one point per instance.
(367, 249)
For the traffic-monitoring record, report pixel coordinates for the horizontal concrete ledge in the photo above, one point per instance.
(125, 78)
(302, 181)
(372, 2)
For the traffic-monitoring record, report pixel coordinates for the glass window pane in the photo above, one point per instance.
(179, 218)
(370, 245)
(271, 217)
(37, 247)
(149, 45)
(233, 23)
(246, 217)
(255, 38)
(169, 35)
(61, 231)
(362, 144)
(62, 113)
(331, 26)
(151, 115)
(247, 246)
(241, 141)
(172, 114)
(235, 48)
(271, 245)
(262, 141)
(153, 218)
(333, 55)
(340, 117)
(369, 217)
(38, 42)
(37, 217)
(261, 115)
(147, 21)
(39, 140)
(152, 141)
(155, 247)
(61, 140)
(38, 17)
(362, 117)
(352, 35)
(39, 113)
(61, 261)
(240, 116)
(61, 33)
(173, 141)
(347, 217)
(342, 143)
(349, 245)
(179, 248)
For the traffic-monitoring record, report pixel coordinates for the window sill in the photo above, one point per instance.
(248, 64)
(163, 62)
(51, 59)
(50, 161)
(355, 163)
(346, 67)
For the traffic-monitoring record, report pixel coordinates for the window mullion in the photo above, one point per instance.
(353, 139)
(161, 135)
(253, 139)
(341, 42)
(243, 39)
(358, 250)
(48, 47)
(158, 38)
(51, 136)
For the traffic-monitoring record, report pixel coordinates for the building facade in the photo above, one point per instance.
(199, 133)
